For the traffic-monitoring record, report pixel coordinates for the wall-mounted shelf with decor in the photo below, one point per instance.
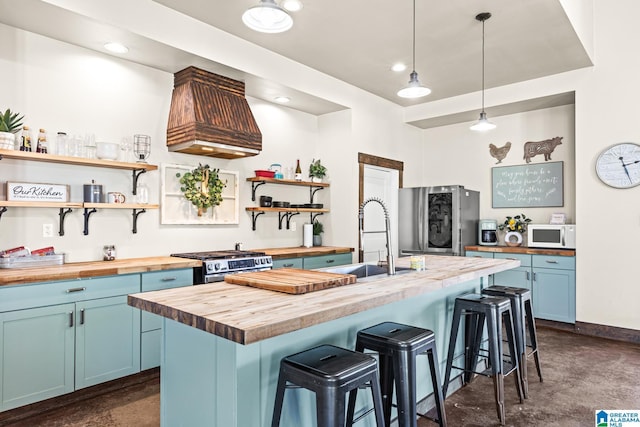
(66, 207)
(136, 168)
(258, 181)
(137, 208)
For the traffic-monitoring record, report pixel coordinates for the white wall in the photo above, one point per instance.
(61, 87)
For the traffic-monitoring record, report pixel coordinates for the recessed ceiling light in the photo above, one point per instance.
(282, 99)
(398, 67)
(116, 47)
(292, 5)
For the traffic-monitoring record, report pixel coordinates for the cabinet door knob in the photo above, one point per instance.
(82, 316)
(71, 319)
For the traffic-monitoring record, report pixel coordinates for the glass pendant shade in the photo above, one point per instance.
(414, 88)
(267, 17)
(483, 123)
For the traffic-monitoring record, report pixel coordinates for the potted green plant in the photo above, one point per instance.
(317, 171)
(202, 187)
(318, 229)
(10, 124)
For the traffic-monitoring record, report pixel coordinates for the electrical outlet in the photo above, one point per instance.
(47, 230)
(292, 226)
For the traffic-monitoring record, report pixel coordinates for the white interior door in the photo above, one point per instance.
(382, 183)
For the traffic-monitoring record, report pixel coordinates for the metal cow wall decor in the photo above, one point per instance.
(546, 147)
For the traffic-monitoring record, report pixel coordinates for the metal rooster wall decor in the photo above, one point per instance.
(499, 153)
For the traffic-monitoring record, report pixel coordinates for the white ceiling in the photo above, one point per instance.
(357, 41)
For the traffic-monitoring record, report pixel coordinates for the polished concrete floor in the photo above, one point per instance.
(581, 375)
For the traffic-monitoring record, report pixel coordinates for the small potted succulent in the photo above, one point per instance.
(10, 124)
(318, 229)
(317, 171)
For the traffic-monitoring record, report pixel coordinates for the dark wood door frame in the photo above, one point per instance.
(368, 159)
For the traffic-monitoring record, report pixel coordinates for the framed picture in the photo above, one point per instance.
(526, 186)
(176, 209)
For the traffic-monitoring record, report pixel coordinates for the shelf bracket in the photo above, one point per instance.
(63, 213)
(254, 187)
(2, 209)
(135, 219)
(312, 192)
(283, 215)
(314, 216)
(254, 217)
(87, 214)
(136, 174)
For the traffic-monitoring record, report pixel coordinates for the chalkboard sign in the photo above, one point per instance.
(532, 185)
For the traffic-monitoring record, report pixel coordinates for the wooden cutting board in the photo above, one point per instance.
(291, 280)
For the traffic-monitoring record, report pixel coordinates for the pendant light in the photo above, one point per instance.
(267, 17)
(483, 124)
(414, 89)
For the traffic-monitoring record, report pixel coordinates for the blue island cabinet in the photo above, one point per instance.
(58, 337)
(210, 381)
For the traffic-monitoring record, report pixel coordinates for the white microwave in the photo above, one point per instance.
(551, 236)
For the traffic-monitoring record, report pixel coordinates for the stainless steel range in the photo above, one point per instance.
(217, 264)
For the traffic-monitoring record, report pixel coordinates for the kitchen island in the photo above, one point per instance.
(222, 343)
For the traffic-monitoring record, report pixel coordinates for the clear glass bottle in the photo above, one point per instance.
(25, 143)
(43, 146)
(61, 144)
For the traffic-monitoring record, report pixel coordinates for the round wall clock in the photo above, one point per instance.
(619, 165)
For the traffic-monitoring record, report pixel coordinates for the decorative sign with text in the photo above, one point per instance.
(32, 192)
(526, 186)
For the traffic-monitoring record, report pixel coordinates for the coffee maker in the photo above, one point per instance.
(488, 232)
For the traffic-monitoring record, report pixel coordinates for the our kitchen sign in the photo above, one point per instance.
(32, 192)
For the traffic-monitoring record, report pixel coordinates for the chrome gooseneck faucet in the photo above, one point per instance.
(391, 268)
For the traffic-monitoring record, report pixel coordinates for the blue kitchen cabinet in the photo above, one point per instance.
(37, 357)
(151, 324)
(107, 340)
(313, 262)
(551, 279)
(58, 337)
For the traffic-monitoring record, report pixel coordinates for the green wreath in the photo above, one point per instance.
(202, 187)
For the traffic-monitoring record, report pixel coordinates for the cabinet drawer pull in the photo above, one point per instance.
(287, 265)
(71, 319)
(528, 276)
(82, 316)
(534, 277)
(329, 261)
(169, 279)
(76, 290)
(550, 261)
(513, 259)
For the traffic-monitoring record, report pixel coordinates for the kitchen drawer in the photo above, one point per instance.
(479, 254)
(288, 263)
(525, 259)
(166, 279)
(322, 261)
(50, 293)
(550, 261)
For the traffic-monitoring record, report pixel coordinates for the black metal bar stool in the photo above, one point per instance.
(495, 311)
(522, 318)
(331, 372)
(398, 345)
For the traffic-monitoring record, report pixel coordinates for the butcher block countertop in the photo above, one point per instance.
(522, 250)
(301, 251)
(84, 270)
(247, 315)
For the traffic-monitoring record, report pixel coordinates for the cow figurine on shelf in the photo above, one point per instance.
(546, 147)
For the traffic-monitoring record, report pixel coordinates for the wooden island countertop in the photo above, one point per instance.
(247, 315)
(84, 270)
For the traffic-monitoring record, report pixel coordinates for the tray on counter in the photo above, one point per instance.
(32, 261)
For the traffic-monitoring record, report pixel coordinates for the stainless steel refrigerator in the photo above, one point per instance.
(438, 220)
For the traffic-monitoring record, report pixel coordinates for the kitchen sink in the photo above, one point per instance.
(363, 270)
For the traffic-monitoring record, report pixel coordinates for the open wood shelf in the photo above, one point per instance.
(19, 204)
(67, 160)
(287, 182)
(293, 210)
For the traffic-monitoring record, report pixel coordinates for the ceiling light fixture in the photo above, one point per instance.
(483, 124)
(398, 67)
(292, 5)
(282, 99)
(116, 47)
(414, 89)
(267, 17)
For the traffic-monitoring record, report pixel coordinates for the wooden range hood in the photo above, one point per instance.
(210, 116)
